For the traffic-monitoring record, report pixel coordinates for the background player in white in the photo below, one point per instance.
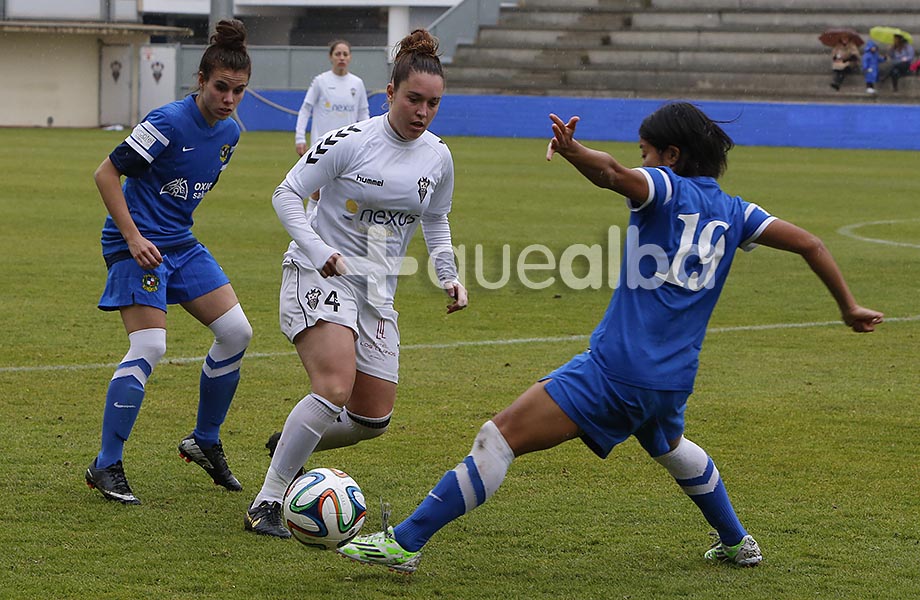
(643, 356)
(381, 178)
(335, 98)
(171, 160)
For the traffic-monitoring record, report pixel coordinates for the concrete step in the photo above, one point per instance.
(614, 82)
(801, 6)
(565, 18)
(572, 17)
(788, 21)
(579, 4)
(603, 58)
(668, 40)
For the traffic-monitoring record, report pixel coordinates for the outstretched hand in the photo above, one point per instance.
(563, 135)
(862, 320)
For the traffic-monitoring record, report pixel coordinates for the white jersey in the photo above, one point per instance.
(334, 101)
(377, 189)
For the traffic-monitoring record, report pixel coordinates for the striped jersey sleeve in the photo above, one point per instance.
(756, 220)
(145, 142)
(660, 189)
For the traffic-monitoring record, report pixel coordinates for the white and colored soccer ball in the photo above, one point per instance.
(324, 508)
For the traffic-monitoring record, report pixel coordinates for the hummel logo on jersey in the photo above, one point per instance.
(177, 188)
(368, 181)
(184, 149)
(332, 140)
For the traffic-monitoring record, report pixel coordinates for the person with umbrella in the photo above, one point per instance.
(901, 54)
(844, 58)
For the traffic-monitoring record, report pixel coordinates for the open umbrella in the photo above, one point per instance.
(886, 35)
(832, 37)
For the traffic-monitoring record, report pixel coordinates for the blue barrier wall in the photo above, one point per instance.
(870, 126)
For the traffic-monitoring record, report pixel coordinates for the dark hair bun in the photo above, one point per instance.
(230, 34)
(419, 42)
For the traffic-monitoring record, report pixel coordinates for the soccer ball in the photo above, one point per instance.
(324, 508)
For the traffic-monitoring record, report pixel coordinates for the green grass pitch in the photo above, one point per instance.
(814, 428)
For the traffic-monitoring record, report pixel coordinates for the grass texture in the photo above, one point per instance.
(813, 428)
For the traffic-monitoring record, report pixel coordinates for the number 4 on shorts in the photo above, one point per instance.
(332, 300)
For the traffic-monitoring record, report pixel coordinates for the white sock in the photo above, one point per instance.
(302, 431)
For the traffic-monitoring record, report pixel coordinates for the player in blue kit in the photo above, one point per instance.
(636, 376)
(170, 161)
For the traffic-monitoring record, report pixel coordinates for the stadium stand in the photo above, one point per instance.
(704, 49)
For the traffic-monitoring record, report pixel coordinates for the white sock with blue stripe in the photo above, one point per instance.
(220, 373)
(698, 476)
(460, 490)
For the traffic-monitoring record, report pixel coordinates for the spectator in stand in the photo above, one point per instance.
(844, 60)
(870, 62)
(900, 55)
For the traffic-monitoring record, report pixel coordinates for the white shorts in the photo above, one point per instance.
(306, 297)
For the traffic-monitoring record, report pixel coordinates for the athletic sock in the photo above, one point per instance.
(349, 429)
(698, 477)
(460, 490)
(220, 374)
(302, 430)
(126, 392)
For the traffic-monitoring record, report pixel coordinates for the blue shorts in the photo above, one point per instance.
(608, 412)
(182, 276)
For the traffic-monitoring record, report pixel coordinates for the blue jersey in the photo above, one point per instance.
(171, 160)
(679, 248)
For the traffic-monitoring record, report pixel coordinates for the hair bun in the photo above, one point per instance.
(230, 34)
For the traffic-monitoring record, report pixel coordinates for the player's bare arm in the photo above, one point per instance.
(599, 168)
(786, 236)
(108, 181)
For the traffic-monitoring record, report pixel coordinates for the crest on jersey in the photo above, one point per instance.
(225, 153)
(313, 298)
(177, 188)
(423, 184)
(150, 282)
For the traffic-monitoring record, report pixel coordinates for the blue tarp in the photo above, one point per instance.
(869, 126)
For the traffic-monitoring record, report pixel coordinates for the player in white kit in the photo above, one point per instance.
(381, 179)
(335, 98)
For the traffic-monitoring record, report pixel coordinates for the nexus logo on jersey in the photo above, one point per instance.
(177, 188)
(423, 184)
(391, 219)
(323, 147)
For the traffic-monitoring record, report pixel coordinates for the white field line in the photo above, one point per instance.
(847, 230)
(850, 231)
(452, 345)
